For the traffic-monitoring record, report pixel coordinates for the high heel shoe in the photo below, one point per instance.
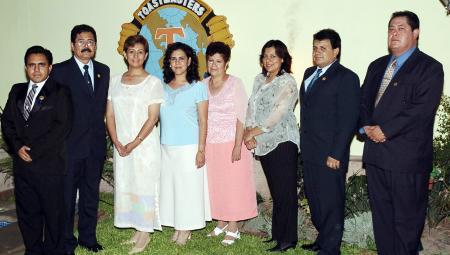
(140, 245)
(183, 237)
(217, 231)
(235, 235)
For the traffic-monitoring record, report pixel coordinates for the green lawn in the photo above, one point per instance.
(111, 239)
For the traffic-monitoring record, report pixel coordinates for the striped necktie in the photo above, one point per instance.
(314, 79)
(386, 80)
(29, 102)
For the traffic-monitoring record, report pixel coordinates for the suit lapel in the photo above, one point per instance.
(322, 81)
(41, 98)
(404, 69)
(21, 95)
(98, 76)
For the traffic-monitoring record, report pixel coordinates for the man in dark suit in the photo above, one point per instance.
(329, 100)
(88, 81)
(400, 95)
(35, 122)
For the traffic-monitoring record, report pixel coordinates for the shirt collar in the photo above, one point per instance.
(39, 85)
(325, 68)
(81, 64)
(402, 58)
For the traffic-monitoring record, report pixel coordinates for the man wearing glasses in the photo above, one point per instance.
(88, 81)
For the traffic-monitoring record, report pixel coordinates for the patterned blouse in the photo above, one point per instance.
(271, 108)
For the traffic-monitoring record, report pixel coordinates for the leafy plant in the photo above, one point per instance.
(357, 197)
(439, 196)
(6, 162)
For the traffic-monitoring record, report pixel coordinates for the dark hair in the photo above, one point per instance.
(192, 70)
(411, 19)
(133, 40)
(333, 36)
(78, 29)
(220, 48)
(37, 49)
(282, 52)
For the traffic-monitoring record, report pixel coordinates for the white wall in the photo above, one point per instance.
(362, 25)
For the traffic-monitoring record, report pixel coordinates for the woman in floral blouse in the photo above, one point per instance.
(272, 131)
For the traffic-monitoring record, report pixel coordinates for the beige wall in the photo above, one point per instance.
(361, 23)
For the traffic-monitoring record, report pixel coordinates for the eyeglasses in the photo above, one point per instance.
(179, 60)
(89, 43)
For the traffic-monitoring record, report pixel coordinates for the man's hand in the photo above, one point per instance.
(333, 163)
(23, 153)
(128, 29)
(375, 133)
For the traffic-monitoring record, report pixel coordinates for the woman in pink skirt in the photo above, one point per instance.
(230, 172)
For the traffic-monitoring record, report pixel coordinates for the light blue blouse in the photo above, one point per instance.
(178, 113)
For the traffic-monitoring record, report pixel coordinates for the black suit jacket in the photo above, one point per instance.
(405, 113)
(329, 115)
(44, 131)
(88, 134)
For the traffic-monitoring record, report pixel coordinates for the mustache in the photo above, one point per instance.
(86, 49)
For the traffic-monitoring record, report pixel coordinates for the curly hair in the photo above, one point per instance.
(192, 70)
(220, 48)
(282, 52)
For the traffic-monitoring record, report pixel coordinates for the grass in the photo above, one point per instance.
(111, 239)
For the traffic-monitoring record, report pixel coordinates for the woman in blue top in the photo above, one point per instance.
(184, 201)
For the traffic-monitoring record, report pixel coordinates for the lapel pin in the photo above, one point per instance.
(98, 75)
(395, 84)
(41, 98)
(324, 78)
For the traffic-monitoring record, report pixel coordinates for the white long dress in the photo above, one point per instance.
(136, 176)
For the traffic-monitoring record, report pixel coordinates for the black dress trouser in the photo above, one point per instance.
(280, 168)
(40, 212)
(325, 191)
(398, 201)
(83, 175)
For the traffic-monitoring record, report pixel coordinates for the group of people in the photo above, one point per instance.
(182, 146)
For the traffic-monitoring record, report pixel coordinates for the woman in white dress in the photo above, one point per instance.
(134, 100)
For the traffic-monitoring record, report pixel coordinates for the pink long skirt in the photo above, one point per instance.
(231, 185)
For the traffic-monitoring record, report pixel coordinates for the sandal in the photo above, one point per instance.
(236, 235)
(217, 231)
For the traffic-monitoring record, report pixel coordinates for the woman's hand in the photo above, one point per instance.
(236, 154)
(120, 148)
(200, 159)
(251, 144)
(248, 135)
(131, 146)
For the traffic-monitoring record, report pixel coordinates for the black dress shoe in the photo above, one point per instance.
(268, 240)
(69, 253)
(93, 248)
(311, 246)
(283, 247)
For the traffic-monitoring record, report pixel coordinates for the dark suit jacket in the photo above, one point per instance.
(329, 115)
(405, 113)
(88, 134)
(44, 131)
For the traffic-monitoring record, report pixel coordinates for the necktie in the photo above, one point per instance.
(314, 79)
(87, 78)
(386, 80)
(29, 102)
